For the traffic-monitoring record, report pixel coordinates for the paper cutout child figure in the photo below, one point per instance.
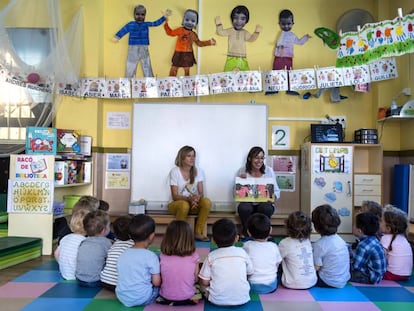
(238, 36)
(284, 46)
(139, 41)
(183, 56)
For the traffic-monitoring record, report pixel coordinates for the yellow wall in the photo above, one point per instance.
(103, 58)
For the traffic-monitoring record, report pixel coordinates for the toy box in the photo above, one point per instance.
(41, 140)
(68, 141)
(137, 207)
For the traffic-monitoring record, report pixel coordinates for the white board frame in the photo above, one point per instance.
(222, 135)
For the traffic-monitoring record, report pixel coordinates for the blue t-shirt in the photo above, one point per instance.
(135, 269)
(138, 32)
(331, 253)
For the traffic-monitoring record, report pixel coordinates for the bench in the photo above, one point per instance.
(163, 218)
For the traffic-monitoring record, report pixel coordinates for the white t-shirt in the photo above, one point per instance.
(184, 187)
(400, 259)
(269, 173)
(266, 258)
(68, 251)
(227, 269)
(297, 264)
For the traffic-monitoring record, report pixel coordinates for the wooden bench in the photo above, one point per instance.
(162, 219)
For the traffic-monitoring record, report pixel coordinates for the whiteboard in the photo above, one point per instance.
(221, 134)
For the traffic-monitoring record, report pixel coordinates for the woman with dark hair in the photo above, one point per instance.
(186, 182)
(255, 168)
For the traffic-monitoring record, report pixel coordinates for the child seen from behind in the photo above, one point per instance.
(368, 264)
(225, 270)
(67, 251)
(297, 255)
(398, 251)
(179, 265)
(93, 250)
(109, 275)
(265, 255)
(139, 268)
(330, 252)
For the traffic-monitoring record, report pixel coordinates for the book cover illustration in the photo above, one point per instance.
(41, 140)
(254, 189)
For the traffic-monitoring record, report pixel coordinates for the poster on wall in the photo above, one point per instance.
(117, 180)
(117, 162)
(30, 196)
(286, 182)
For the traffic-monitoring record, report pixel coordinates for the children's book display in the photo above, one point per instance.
(69, 149)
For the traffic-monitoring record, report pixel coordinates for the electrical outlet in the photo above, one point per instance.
(335, 119)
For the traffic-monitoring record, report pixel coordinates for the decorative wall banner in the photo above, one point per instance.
(223, 82)
(376, 40)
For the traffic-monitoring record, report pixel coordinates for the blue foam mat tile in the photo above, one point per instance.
(61, 304)
(39, 276)
(71, 290)
(384, 294)
(347, 293)
(50, 265)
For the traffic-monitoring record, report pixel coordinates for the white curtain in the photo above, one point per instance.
(35, 51)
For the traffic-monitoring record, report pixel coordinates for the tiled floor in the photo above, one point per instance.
(43, 289)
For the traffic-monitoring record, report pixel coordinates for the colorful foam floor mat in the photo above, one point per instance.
(43, 289)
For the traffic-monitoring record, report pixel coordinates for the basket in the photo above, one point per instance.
(58, 208)
(70, 201)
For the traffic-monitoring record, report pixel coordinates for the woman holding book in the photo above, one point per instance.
(255, 168)
(186, 183)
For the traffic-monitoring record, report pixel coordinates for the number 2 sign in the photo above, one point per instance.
(280, 137)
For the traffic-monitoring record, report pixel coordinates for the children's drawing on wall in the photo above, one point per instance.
(237, 38)
(285, 45)
(183, 56)
(138, 41)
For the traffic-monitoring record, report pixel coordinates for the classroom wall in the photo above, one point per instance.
(104, 58)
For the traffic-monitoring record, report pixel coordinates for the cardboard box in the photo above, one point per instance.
(61, 173)
(41, 140)
(86, 172)
(86, 145)
(68, 141)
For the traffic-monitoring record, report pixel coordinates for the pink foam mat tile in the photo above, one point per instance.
(24, 290)
(347, 306)
(285, 294)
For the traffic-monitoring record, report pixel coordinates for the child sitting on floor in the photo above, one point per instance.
(265, 255)
(179, 265)
(368, 264)
(399, 254)
(297, 255)
(67, 251)
(225, 270)
(93, 250)
(330, 252)
(109, 275)
(139, 268)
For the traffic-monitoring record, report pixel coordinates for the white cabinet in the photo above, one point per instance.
(342, 175)
(367, 188)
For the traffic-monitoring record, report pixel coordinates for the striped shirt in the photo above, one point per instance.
(370, 259)
(109, 274)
